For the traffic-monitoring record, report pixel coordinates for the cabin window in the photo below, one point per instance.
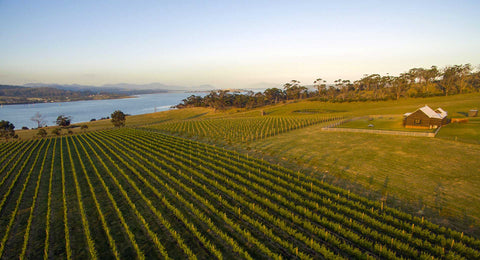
(418, 121)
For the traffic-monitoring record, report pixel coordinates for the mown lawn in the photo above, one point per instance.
(441, 174)
(386, 122)
(456, 106)
(462, 132)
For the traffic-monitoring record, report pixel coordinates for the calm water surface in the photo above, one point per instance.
(83, 111)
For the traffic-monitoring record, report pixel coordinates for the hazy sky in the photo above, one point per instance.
(230, 43)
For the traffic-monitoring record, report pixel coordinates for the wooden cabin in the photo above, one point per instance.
(425, 118)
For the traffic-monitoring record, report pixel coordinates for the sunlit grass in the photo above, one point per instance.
(462, 132)
(430, 171)
(386, 122)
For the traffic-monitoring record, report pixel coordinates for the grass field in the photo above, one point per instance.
(462, 132)
(138, 194)
(456, 106)
(443, 175)
(384, 122)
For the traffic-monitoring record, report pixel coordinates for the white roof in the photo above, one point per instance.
(432, 114)
(442, 112)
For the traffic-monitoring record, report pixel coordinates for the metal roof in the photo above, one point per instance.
(432, 114)
(442, 112)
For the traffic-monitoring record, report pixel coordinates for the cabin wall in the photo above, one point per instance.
(417, 120)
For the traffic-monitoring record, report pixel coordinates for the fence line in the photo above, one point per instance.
(337, 123)
(333, 128)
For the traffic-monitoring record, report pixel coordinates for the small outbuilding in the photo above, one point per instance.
(425, 118)
(473, 113)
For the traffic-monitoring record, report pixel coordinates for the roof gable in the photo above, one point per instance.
(442, 112)
(439, 113)
(429, 112)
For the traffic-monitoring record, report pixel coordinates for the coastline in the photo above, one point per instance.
(43, 101)
(86, 110)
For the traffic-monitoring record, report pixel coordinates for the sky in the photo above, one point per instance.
(230, 44)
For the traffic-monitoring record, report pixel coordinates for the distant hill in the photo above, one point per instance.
(10, 94)
(52, 92)
(124, 88)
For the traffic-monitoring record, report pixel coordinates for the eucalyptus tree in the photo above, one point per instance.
(7, 130)
(41, 132)
(294, 90)
(321, 86)
(273, 95)
(454, 79)
(118, 118)
(399, 85)
(63, 120)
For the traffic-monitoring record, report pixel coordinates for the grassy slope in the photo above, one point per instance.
(467, 133)
(392, 122)
(455, 105)
(417, 168)
(137, 120)
(438, 172)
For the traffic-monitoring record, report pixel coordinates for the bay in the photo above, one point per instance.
(83, 111)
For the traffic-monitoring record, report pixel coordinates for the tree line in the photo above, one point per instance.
(417, 82)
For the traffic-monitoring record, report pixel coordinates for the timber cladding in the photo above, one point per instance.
(418, 119)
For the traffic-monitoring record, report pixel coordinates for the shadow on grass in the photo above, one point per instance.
(197, 115)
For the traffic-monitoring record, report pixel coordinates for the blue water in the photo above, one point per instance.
(83, 111)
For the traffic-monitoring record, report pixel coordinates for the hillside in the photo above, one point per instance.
(21, 95)
(249, 184)
(139, 194)
(434, 177)
(381, 167)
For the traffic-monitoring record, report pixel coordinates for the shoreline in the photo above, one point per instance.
(92, 99)
(63, 101)
(19, 114)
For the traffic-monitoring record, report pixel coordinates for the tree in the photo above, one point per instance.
(321, 86)
(7, 130)
(191, 101)
(57, 131)
(39, 119)
(273, 95)
(293, 90)
(118, 118)
(63, 120)
(399, 85)
(217, 99)
(41, 132)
